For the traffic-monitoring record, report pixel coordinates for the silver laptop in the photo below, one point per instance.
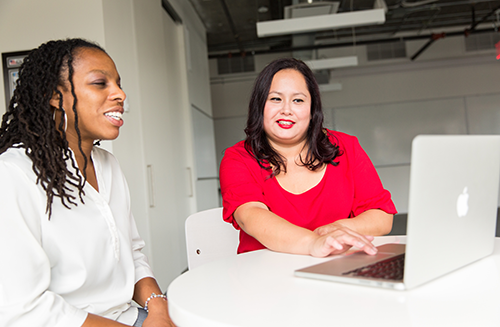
(452, 212)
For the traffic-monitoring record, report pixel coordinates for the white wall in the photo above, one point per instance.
(163, 102)
(149, 51)
(204, 172)
(386, 103)
(120, 44)
(25, 24)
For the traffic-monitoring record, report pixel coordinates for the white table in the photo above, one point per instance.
(259, 289)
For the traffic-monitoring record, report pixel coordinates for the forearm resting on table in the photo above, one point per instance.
(374, 222)
(279, 235)
(272, 231)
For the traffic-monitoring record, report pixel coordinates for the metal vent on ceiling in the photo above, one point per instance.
(390, 50)
(482, 41)
(237, 64)
(311, 9)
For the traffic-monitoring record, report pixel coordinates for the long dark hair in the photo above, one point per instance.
(28, 122)
(319, 148)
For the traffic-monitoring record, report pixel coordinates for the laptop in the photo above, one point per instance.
(452, 210)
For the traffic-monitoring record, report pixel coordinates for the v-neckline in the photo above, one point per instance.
(309, 189)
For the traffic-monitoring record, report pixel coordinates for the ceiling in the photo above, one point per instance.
(231, 24)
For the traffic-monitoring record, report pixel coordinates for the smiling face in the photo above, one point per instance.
(99, 98)
(287, 112)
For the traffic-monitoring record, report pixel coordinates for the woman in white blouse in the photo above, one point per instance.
(71, 254)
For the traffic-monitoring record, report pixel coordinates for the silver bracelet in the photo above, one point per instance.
(152, 296)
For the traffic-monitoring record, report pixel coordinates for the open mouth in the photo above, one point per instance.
(285, 123)
(115, 115)
(115, 118)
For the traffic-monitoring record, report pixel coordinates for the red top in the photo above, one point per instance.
(345, 191)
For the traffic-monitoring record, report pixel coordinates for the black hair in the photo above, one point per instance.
(28, 122)
(319, 148)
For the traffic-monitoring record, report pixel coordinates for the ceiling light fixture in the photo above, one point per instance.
(331, 63)
(263, 9)
(322, 22)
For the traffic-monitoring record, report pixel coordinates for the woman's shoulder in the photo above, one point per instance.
(238, 147)
(341, 139)
(237, 150)
(16, 157)
(16, 165)
(15, 152)
(237, 159)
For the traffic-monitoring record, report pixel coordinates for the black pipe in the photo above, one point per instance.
(344, 44)
(422, 49)
(472, 29)
(434, 37)
(474, 25)
(232, 26)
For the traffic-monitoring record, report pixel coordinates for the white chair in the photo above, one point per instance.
(208, 237)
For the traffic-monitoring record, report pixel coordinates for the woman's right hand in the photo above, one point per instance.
(339, 240)
(279, 235)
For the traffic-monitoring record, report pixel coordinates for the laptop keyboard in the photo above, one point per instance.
(392, 268)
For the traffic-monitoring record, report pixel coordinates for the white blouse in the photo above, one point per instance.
(87, 259)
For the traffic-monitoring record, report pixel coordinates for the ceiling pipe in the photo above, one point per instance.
(277, 13)
(410, 13)
(474, 25)
(346, 44)
(472, 29)
(232, 26)
(473, 12)
(434, 37)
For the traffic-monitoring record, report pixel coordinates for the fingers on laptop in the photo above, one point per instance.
(326, 245)
(340, 241)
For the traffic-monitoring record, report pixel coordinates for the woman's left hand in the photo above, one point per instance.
(325, 229)
(158, 321)
(158, 315)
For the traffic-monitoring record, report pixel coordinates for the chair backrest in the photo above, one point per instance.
(209, 237)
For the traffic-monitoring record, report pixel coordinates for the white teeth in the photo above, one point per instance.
(285, 122)
(116, 115)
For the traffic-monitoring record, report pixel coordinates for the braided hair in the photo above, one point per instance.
(29, 122)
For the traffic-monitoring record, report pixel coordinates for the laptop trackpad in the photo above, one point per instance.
(355, 260)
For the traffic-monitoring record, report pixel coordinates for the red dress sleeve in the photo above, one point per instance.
(369, 192)
(241, 180)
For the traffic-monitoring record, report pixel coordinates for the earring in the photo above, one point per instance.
(65, 118)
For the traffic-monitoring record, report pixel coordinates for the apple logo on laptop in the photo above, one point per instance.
(463, 203)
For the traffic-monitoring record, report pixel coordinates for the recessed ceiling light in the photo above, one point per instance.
(263, 9)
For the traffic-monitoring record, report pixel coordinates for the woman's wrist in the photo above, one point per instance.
(155, 302)
(341, 223)
(312, 244)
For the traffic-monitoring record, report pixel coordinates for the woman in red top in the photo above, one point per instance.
(293, 186)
